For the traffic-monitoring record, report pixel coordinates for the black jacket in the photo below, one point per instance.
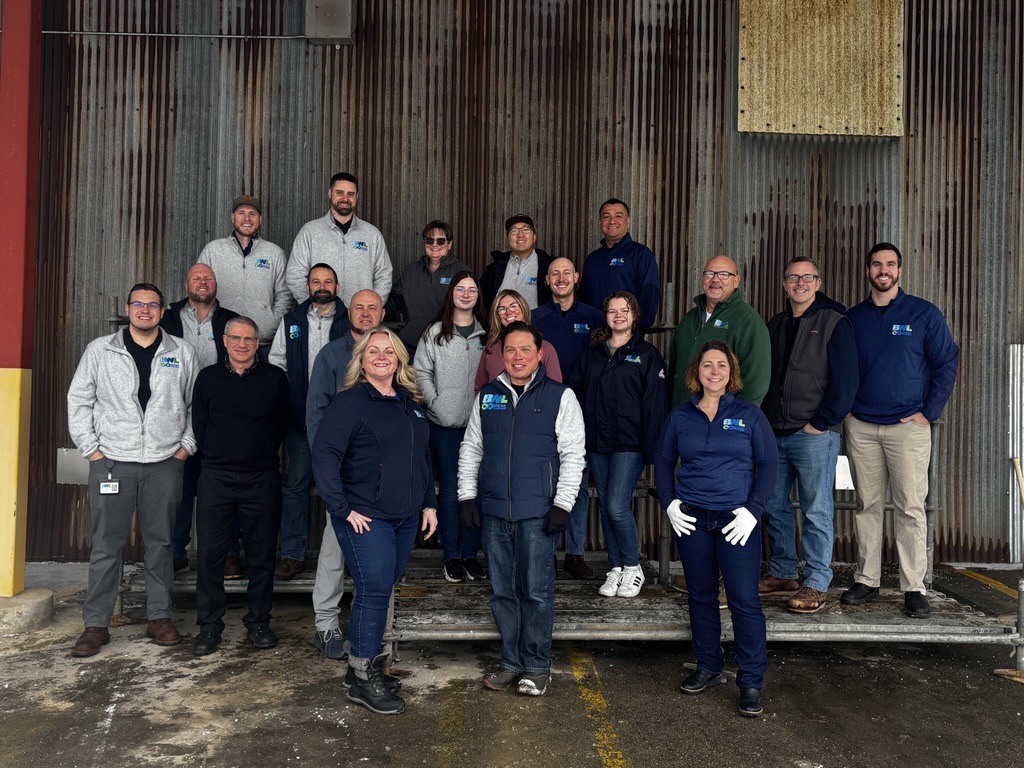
(494, 273)
(171, 322)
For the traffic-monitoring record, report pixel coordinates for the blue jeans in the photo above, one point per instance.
(295, 498)
(456, 542)
(183, 518)
(704, 554)
(576, 533)
(520, 557)
(615, 476)
(376, 560)
(811, 459)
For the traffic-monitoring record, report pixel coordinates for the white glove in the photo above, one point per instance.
(742, 525)
(682, 523)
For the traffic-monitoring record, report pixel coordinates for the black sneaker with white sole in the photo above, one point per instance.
(453, 571)
(473, 570)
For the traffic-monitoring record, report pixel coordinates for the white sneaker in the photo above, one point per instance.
(632, 580)
(611, 583)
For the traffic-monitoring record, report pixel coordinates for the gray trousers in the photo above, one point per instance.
(154, 490)
(329, 585)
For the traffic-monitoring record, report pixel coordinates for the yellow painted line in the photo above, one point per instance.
(596, 706)
(996, 585)
(16, 407)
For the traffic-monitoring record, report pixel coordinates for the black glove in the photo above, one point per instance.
(469, 515)
(556, 521)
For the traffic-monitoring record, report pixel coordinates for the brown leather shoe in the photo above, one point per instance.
(807, 600)
(90, 642)
(770, 584)
(678, 584)
(289, 568)
(233, 567)
(577, 567)
(163, 632)
(723, 601)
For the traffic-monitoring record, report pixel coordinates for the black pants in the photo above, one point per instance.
(254, 498)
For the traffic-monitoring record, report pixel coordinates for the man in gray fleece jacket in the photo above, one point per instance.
(353, 247)
(129, 413)
(250, 270)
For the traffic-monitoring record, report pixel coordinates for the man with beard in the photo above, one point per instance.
(251, 270)
(520, 269)
(303, 333)
(908, 363)
(567, 324)
(200, 320)
(353, 247)
(365, 312)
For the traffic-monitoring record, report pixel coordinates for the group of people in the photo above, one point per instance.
(512, 390)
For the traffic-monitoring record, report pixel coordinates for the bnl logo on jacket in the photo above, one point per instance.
(581, 328)
(294, 332)
(445, 280)
(734, 425)
(360, 245)
(494, 403)
(633, 359)
(262, 263)
(723, 324)
(169, 361)
(618, 261)
(902, 330)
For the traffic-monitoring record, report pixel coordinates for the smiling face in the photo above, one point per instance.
(380, 361)
(521, 240)
(343, 196)
(562, 278)
(465, 294)
(201, 285)
(322, 286)
(145, 317)
(246, 220)
(619, 316)
(430, 247)
(800, 292)
(614, 223)
(365, 312)
(884, 271)
(713, 372)
(508, 310)
(716, 287)
(522, 357)
(242, 343)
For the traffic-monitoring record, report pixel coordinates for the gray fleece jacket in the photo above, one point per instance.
(444, 374)
(103, 401)
(360, 257)
(252, 285)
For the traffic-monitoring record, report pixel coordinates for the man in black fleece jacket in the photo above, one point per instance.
(240, 416)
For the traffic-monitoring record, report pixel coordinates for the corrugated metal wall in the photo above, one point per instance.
(471, 111)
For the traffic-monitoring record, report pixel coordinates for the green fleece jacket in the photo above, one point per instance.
(737, 324)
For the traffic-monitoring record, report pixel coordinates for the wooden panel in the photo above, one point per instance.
(814, 67)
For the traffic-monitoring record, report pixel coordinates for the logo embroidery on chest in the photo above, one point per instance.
(902, 330)
(445, 280)
(633, 359)
(494, 403)
(531, 281)
(262, 263)
(360, 245)
(209, 335)
(581, 328)
(618, 261)
(294, 332)
(723, 324)
(169, 361)
(734, 425)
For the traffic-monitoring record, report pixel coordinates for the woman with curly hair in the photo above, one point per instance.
(371, 461)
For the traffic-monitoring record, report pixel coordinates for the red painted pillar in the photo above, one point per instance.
(20, 64)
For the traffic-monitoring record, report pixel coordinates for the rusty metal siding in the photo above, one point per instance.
(471, 111)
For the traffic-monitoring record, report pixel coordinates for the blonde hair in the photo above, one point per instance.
(405, 375)
(496, 325)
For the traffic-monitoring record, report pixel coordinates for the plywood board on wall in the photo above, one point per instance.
(821, 67)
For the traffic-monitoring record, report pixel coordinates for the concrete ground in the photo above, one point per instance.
(610, 704)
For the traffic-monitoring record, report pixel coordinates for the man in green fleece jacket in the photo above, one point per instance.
(721, 314)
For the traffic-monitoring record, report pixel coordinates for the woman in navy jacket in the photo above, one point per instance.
(620, 383)
(727, 461)
(371, 461)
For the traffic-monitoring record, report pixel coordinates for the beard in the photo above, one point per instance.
(322, 297)
(895, 282)
(198, 298)
(344, 208)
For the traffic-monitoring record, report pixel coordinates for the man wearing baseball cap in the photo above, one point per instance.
(521, 269)
(250, 270)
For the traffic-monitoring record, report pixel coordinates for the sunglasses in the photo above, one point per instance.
(435, 240)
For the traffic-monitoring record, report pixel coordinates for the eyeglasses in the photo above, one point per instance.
(503, 311)
(467, 291)
(800, 278)
(145, 305)
(242, 339)
(520, 231)
(721, 274)
(435, 240)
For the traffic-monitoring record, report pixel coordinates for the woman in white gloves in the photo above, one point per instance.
(715, 471)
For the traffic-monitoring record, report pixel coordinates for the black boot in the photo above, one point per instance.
(369, 688)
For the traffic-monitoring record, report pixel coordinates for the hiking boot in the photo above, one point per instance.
(916, 605)
(770, 584)
(262, 636)
(807, 600)
(533, 683)
(610, 588)
(392, 683)
(632, 581)
(453, 571)
(577, 567)
(678, 584)
(163, 632)
(233, 568)
(859, 594)
(501, 680)
(90, 642)
(699, 681)
(289, 568)
(205, 643)
(750, 702)
(368, 688)
(330, 644)
(473, 570)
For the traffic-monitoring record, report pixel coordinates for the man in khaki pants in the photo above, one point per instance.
(908, 363)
